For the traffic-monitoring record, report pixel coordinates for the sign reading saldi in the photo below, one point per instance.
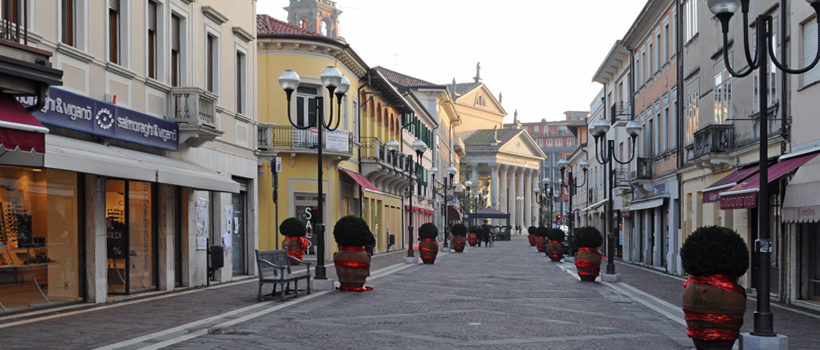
(77, 112)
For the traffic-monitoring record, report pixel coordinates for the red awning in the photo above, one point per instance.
(18, 128)
(421, 210)
(712, 193)
(453, 213)
(361, 180)
(744, 195)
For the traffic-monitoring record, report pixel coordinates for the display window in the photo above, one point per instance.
(39, 240)
(131, 248)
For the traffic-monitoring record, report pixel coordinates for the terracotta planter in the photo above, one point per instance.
(531, 238)
(555, 250)
(458, 243)
(352, 266)
(588, 263)
(541, 243)
(713, 306)
(296, 248)
(471, 239)
(428, 249)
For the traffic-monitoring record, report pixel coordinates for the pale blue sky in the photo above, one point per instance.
(540, 54)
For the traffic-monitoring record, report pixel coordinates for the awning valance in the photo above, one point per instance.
(647, 204)
(712, 193)
(361, 180)
(744, 195)
(802, 202)
(22, 136)
(421, 210)
(594, 206)
(454, 213)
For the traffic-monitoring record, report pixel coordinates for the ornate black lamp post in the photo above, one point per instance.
(724, 10)
(468, 201)
(336, 84)
(573, 188)
(445, 185)
(605, 154)
(420, 147)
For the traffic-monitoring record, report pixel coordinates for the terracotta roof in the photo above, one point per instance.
(266, 24)
(403, 82)
(485, 137)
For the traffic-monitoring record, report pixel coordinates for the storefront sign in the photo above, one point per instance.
(659, 189)
(626, 214)
(739, 201)
(711, 196)
(338, 140)
(77, 112)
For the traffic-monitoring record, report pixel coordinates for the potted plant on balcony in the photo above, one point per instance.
(295, 242)
(555, 250)
(713, 302)
(428, 247)
(541, 238)
(531, 236)
(459, 232)
(588, 259)
(473, 235)
(352, 262)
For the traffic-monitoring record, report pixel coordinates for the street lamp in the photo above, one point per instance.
(605, 154)
(467, 194)
(445, 185)
(724, 10)
(564, 166)
(420, 147)
(337, 84)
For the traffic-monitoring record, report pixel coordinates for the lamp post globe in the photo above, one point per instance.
(469, 184)
(343, 86)
(600, 127)
(719, 7)
(419, 146)
(584, 165)
(392, 146)
(451, 170)
(289, 80)
(331, 77)
(562, 163)
(633, 129)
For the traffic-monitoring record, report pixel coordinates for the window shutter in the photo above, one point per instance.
(809, 52)
(175, 33)
(114, 5)
(152, 16)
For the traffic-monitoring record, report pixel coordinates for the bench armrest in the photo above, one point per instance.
(280, 267)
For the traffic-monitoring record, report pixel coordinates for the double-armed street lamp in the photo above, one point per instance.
(724, 10)
(544, 198)
(420, 147)
(337, 84)
(573, 188)
(447, 184)
(605, 155)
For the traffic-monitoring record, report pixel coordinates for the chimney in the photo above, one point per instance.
(304, 23)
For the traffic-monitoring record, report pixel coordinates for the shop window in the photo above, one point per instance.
(130, 236)
(39, 246)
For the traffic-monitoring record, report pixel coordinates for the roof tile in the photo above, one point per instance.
(266, 24)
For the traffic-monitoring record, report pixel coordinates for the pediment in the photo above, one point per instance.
(481, 92)
(522, 145)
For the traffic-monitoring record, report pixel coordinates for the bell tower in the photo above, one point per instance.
(319, 16)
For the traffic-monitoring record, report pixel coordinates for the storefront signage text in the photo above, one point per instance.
(740, 201)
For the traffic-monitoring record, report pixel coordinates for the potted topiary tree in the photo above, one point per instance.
(531, 236)
(555, 250)
(473, 235)
(588, 259)
(541, 238)
(459, 237)
(428, 247)
(295, 242)
(713, 302)
(352, 262)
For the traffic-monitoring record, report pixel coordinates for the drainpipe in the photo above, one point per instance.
(359, 141)
(42, 92)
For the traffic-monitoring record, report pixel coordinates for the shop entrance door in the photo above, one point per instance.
(131, 248)
(238, 232)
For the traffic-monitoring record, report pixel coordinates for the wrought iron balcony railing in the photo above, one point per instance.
(715, 138)
(645, 166)
(375, 149)
(281, 137)
(621, 108)
(14, 22)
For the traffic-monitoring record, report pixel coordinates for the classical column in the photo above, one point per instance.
(511, 197)
(494, 201)
(475, 176)
(534, 209)
(527, 198)
(502, 187)
(519, 181)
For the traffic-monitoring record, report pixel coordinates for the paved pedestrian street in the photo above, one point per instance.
(503, 297)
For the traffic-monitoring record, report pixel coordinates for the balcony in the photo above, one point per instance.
(286, 138)
(25, 70)
(621, 109)
(194, 109)
(645, 166)
(712, 146)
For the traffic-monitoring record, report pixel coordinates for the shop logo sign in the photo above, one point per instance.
(73, 111)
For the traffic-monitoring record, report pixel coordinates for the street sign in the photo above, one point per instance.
(454, 201)
(277, 168)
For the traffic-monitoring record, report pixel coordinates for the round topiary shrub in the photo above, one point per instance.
(588, 237)
(541, 231)
(555, 234)
(459, 230)
(428, 230)
(292, 227)
(714, 250)
(475, 229)
(531, 230)
(351, 231)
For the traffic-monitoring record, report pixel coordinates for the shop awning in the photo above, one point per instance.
(88, 157)
(647, 204)
(361, 180)
(454, 213)
(802, 202)
(22, 137)
(594, 206)
(420, 210)
(744, 195)
(712, 193)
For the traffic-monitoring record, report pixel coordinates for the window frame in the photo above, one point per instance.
(813, 75)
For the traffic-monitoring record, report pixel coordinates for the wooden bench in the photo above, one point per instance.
(274, 267)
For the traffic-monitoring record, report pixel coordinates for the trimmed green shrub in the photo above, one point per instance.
(459, 230)
(541, 231)
(475, 229)
(292, 227)
(555, 234)
(531, 230)
(588, 237)
(714, 250)
(428, 230)
(351, 231)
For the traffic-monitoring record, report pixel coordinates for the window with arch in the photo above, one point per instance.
(325, 28)
(480, 101)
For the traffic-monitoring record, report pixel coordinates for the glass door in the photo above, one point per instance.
(238, 234)
(131, 251)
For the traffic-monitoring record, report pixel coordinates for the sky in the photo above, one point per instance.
(541, 55)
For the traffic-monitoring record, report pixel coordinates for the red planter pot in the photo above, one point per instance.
(428, 249)
(713, 306)
(555, 250)
(541, 243)
(471, 238)
(296, 248)
(531, 238)
(458, 243)
(588, 263)
(352, 266)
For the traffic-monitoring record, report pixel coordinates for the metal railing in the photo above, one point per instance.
(714, 138)
(288, 137)
(375, 149)
(645, 166)
(13, 26)
(621, 108)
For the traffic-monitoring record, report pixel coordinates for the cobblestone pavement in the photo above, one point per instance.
(504, 297)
